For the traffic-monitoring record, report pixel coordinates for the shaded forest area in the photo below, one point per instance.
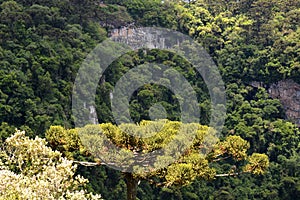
(42, 46)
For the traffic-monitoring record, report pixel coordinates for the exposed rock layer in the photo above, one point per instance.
(288, 92)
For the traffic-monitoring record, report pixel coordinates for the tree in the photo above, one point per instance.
(112, 16)
(181, 169)
(31, 170)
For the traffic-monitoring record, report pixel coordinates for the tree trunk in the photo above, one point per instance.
(131, 184)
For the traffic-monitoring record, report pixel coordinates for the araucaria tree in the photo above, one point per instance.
(182, 168)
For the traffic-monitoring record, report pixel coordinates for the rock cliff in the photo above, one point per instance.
(288, 92)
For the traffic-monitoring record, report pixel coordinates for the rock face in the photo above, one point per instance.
(137, 38)
(93, 115)
(288, 92)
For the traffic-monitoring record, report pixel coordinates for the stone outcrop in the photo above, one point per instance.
(147, 37)
(288, 92)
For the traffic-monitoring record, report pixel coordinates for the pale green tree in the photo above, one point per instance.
(31, 170)
(174, 166)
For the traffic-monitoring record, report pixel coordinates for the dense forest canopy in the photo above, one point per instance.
(43, 44)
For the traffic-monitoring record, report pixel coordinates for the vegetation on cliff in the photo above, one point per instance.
(43, 43)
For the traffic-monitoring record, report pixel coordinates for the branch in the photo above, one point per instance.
(157, 184)
(231, 174)
(218, 159)
(225, 175)
(89, 164)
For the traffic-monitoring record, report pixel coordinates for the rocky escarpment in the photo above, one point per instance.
(288, 92)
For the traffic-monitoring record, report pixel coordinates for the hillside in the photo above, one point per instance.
(255, 45)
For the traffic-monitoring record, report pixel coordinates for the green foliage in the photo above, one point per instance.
(66, 141)
(40, 53)
(113, 16)
(150, 94)
(42, 44)
(258, 163)
(234, 146)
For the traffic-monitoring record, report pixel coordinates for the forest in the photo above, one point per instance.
(44, 155)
